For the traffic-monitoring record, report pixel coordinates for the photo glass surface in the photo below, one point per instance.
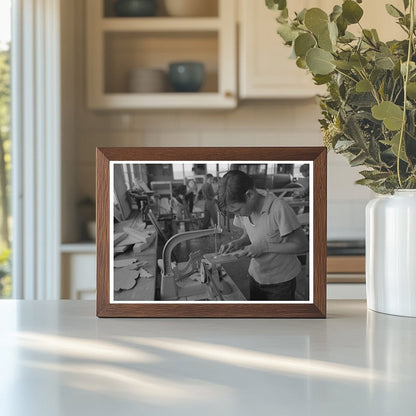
(206, 231)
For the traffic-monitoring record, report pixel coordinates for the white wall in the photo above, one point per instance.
(253, 123)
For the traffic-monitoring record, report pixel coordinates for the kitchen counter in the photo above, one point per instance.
(57, 358)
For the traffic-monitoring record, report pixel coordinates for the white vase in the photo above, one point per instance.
(391, 253)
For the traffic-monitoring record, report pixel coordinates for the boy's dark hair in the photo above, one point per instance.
(209, 175)
(304, 168)
(233, 187)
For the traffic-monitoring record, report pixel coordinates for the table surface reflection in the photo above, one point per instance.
(57, 358)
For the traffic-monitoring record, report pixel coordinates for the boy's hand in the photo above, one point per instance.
(230, 247)
(255, 250)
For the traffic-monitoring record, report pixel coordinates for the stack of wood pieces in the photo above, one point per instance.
(126, 273)
(137, 236)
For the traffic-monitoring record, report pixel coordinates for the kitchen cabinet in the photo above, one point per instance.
(346, 277)
(265, 70)
(118, 45)
(78, 264)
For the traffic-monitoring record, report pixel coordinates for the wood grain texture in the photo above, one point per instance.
(317, 309)
(346, 264)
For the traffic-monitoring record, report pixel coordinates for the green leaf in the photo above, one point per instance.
(368, 36)
(365, 182)
(382, 89)
(362, 99)
(375, 35)
(325, 42)
(342, 25)
(336, 12)
(282, 20)
(358, 61)
(347, 37)
(301, 15)
(411, 90)
(393, 11)
(374, 150)
(343, 145)
(287, 33)
(374, 174)
(406, 4)
(359, 160)
(319, 61)
(301, 63)
(396, 70)
(363, 86)
(412, 67)
(316, 20)
(276, 4)
(344, 65)
(384, 62)
(321, 79)
(333, 32)
(394, 143)
(351, 11)
(303, 43)
(391, 114)
(353, 131)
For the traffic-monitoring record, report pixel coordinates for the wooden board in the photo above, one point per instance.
(216, 258)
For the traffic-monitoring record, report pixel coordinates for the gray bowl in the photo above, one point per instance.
(186, 76)
(135, 8)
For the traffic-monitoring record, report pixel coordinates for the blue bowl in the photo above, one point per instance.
(135, 8)
(186, 76)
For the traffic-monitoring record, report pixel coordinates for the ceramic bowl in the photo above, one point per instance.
(135, 8)
(147, 80)
(191, 8)
(186, 76)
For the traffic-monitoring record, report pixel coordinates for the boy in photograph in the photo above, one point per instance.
(210, 208)
(272, 237)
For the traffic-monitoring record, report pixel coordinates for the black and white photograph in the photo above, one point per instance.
(211, 231)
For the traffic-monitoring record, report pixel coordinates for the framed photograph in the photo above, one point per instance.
(211, 232)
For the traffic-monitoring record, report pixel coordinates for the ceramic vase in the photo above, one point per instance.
(391, 253)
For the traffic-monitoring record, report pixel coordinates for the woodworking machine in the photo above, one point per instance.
(201, 276)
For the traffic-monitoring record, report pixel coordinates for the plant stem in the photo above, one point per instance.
(346, 75)
(406, 79)
(373, 88)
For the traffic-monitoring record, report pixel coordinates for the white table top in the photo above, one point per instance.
(57, 358)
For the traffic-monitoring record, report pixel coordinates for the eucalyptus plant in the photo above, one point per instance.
(369, 111)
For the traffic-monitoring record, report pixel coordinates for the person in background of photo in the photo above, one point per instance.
(272, 237)
(210, 207)
(191, 191)
(215, 185)
(304, 170)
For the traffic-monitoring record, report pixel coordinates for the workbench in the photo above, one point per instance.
(57, 358)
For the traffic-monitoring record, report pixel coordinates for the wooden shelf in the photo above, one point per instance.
(346, 264)
(160, 24)
(80, 247)
(163, 100)
(346, 269)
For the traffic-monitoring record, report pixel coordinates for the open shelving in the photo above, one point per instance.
(117, 45)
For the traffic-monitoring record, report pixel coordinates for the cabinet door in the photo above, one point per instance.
(266, 71)
(78, 276)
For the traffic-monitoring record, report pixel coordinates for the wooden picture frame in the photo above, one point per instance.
(125, 161)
